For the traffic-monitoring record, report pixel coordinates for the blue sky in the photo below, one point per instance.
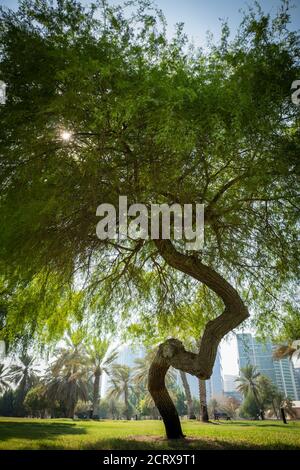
(200, 16)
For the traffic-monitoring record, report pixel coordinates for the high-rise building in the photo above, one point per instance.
(230, 382)
(126, 356)
(297, 372)
(214, 386)
(281, 373)
(259, 354)
(230, 387)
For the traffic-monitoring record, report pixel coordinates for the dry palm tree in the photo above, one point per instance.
(248, 383)
(284, 405)
(120, 385)
(99, 360)
(288, 407)
(287, 350)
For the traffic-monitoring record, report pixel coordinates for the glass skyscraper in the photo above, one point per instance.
(282, 373)
(214, 386)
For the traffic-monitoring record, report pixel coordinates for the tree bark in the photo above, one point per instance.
(274, 409)
(172, 351)
(203, 401)
(282, 412)
(71, 410)
(96, 393)
(258, 404)
(188, 395)
(126, 403)
(161, 397)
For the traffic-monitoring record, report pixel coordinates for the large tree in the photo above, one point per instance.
(104, 105)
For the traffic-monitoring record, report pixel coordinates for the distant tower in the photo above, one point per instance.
(230, 387)
(281, 373)
(214, 386)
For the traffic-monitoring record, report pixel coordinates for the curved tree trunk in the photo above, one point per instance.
(188, 395)
(161, 397)
(203, 401)
(172, 351)
(96, 393)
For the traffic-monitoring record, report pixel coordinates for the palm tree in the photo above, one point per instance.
(24, 374)
(120, 385)
(249, 383)
(4, 383)
(67, 386)
(66, 380)
(213, 407)
(140, 376)
(99, 360)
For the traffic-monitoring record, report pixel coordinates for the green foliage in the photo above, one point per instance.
(180, 403)
(249, 408)
(63, 434)
(36, 402)
(230, 406)
(7, 403)
(24, 374)
(248, 380)
(66, 380)
(158, 121)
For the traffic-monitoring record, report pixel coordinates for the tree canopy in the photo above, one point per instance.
(101, 104)
(153, 119)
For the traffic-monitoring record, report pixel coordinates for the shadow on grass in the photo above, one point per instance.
(258, 424)
(38, 430)
(189, 443)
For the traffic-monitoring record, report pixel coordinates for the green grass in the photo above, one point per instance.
(21, 433)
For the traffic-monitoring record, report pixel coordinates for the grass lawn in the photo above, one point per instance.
(21, 433)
